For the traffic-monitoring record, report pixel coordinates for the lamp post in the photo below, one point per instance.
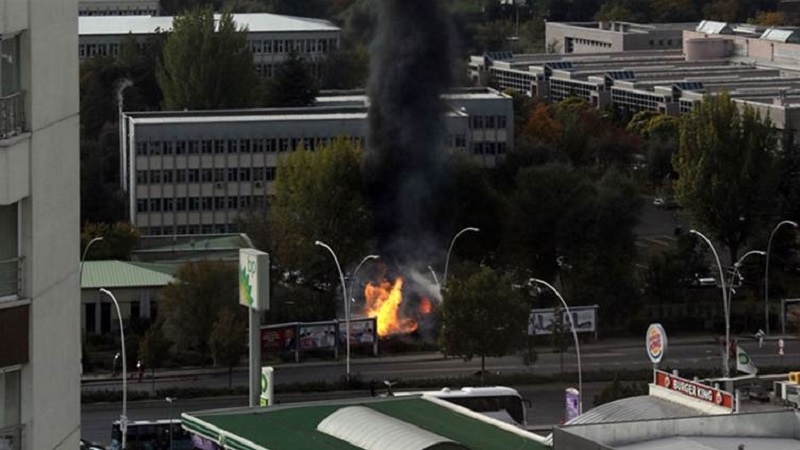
(735, 272)
(355, 272)
(435, 279)
(574, 336)
(346, 305)
(726, 353)
(80, 280)
(766, 273)
(447, 260)
(170, 400)
(121, 86)
(123, 419)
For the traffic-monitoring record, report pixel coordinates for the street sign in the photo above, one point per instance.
(656, 342)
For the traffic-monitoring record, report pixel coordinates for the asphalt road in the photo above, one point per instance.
(547, 400)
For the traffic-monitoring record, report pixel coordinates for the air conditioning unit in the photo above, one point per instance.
(259, 184)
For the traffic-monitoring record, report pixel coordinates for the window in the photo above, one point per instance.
(258, 174)
(169, 204)
(194, 203)
(180, 205)
(489, 121)
(219, 203)
(233, 174)
(10, 406)
(477, 122)
(180, 175)
(141, 176)
(219, 146)
(233, 146)
(193, 175)
(219, 175)
(233, 202)
(206, 146)
(155, 205)
(501, 122)
(206, 175)
(169, 147)
(141, 205)
(206, 203)
(180, 148)
(244, 174)
(141, 148)
(270, 173)
(167, 176)
(155, 176)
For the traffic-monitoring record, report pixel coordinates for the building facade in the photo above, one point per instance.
(271, 37)
(194, 172)
(613, 36)
(39, 226)
(118, 7)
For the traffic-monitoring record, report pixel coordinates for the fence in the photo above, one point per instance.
(11, 278)
(12, 115)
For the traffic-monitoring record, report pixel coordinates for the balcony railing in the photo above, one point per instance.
(11, 437)
(12, 115)
(11, 279)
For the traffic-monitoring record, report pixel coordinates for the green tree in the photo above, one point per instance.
(119, 240)
(153, 351)
(191, 305)
(617, 390)
(229, 338)
(292, 85)
(319, 196)
(727, 172)
(206, 64)
(483, 316)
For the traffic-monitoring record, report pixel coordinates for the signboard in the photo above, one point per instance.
(540, 321)
(278, 338)
(362, 331)
(573, 399)
(254, 279)
(790, 315)
(694, 390)
(656, 342)
(267, 382)
(317, 336)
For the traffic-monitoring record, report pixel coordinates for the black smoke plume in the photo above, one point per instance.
(410, 69)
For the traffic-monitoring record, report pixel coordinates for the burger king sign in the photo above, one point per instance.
(656, 341)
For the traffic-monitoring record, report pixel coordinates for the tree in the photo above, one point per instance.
(319, 196)
(727, 172)
(229, 338)
(483, 316)
(119, 240)
(153, 351)
(207, 64)
(292, 85)
(192, 304)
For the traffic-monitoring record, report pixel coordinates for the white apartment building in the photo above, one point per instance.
(39, 226)
(118, 7)
(271, 37)
(194, 172)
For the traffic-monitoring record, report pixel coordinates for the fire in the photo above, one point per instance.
(383, 301)
(425, 305)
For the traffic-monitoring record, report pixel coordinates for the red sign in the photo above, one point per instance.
(694, 390)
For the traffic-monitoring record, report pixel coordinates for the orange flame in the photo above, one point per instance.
(425, 305)
(383, 301)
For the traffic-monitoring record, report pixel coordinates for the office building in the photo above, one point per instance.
(39, 226)
(118, 7)
(613, 36)
(271, 37)
(192, 172)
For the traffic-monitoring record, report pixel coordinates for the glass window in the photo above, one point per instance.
(155, 204)
(219, 202)
(244, 174)
(141, 205)
(270, 173)
(194, 203)
(233, 174)
(180, 205)
(219, 174)
(169, 204)
(193, 175)
(167, 176)
(141, 176)
(206, 175)
(207, 203)
(10, 399)
(180, 175)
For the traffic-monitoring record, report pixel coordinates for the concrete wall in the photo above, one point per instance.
(50, 226)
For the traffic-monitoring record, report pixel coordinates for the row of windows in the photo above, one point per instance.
(488, 148)
(169, 204)
(520, 82)
(480, 122)
(636, 101)
(220, 228)
(89, 50)
(561, 89)
(300, 46)
(232, 146)
(205, 175)
(119, 12)
(592, 43)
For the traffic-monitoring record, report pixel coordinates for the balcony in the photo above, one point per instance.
(11, 437)
(12, 115)
(11, 279)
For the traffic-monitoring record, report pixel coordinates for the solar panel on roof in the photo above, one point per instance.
(621, 75)
(500, 56)
(688, 85)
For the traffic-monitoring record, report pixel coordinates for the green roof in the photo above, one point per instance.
(294, 427)
(124, 274)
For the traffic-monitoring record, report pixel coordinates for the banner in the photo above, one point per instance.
(540, 321)
(744, 363)
(278, 338)
(317, 336)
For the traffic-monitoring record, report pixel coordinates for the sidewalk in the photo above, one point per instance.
(604, 344)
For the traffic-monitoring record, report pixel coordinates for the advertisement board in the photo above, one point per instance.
(278, 338)
(254, 279)
(317, 336)
(656, 342)
(790, 315)
(540, 321)
(694, 390)
(362, 332)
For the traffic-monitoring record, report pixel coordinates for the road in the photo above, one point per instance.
(547, 400)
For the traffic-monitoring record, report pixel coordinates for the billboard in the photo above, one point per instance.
(540, 321)
(278, 338)
(254, 279)
(317, 336)
(362, 331)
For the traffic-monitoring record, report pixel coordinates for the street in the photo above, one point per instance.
(547, 400)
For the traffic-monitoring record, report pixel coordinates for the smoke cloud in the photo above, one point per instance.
(410, 68)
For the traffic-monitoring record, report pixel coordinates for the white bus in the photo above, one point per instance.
(500, 402)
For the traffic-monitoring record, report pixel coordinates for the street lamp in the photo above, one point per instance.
(170, 400)
(123, 419)
(80, 278)
(726, 353)
(447, 260)
(355, 272)
(766, 273)
(574, 336)
(346, 304)
(435, 279)
(121, 86)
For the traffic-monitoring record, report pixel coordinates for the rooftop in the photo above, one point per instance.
(144, 25)
(125, 274)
